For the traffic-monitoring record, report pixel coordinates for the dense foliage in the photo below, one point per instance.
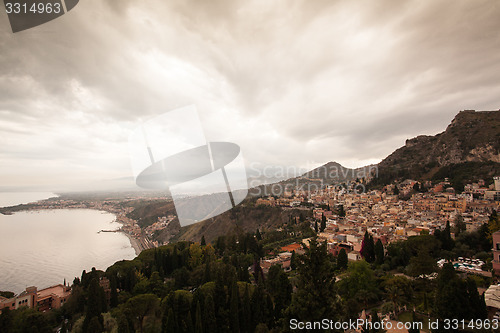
(189, 287)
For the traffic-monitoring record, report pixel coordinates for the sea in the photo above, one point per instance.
(47, 247)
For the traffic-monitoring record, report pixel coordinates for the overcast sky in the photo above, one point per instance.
(294, 83)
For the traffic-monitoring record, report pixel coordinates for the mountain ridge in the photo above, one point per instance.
(472, 136)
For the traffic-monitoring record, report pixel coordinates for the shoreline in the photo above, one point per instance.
(134, 243)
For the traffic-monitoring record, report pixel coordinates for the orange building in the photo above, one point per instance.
(45, 299)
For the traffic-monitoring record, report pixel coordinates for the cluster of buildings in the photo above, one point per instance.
(43, 300)
(388, 217)
(161, 224)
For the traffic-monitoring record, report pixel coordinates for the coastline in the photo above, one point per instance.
(134, 242)
(138, 244)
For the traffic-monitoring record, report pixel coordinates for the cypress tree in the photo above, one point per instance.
(207, 276)
(341, 211)
(447, 242)
(94, 306)
(293, 261)
(323, 223)
(170, 325)
(368, 248)
(342, 259)
(188, 321)
(379, 252)
(198, 326)
(113, 301)
(246, 314)
(233, 308)
(280, 289)
(257, 306)
(209, 316)
(203, 242)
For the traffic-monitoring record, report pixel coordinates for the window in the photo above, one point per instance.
(498, 246)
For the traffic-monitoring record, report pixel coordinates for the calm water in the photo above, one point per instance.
(16, 198)
(42, 248)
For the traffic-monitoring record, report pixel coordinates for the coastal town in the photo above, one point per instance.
(392, 213)
(140, 239)
(347, 215)
(340, 216)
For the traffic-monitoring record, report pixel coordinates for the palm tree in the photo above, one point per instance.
(394, 293)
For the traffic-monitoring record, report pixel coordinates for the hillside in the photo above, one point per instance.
(330, 173)
(470, 144)
(243, 218)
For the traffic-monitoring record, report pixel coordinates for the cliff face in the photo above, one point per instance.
(471, 137)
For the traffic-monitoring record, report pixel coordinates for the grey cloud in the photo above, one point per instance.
(327, 80)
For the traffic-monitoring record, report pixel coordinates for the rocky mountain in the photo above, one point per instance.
(469, 145)
(331, 173)
(469, 149)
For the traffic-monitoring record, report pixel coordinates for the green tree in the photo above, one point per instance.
(95, 325)
(121, 320)
(233, 308)
(258, 305)
(96, 302)
(203, 242)
(29, 320)
(6, 319)
(261, 328)
(476, 302)
(359, 283)
(379, 252)
(198, 326)
(342, 260)
(293, 261)
(113, 300)
(209, 320)
(368, 248)
(171, 323)
(447, 242)
(280, 289)
(323, 223)
(423, 263)
(451, 299)
(399, 290)
(245, 313)
(140, 306)
(315, 297)
(459, 225)
(341, 211)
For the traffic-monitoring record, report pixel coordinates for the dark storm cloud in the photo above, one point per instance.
(311, 81)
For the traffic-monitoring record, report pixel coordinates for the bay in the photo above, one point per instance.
(42, 248)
